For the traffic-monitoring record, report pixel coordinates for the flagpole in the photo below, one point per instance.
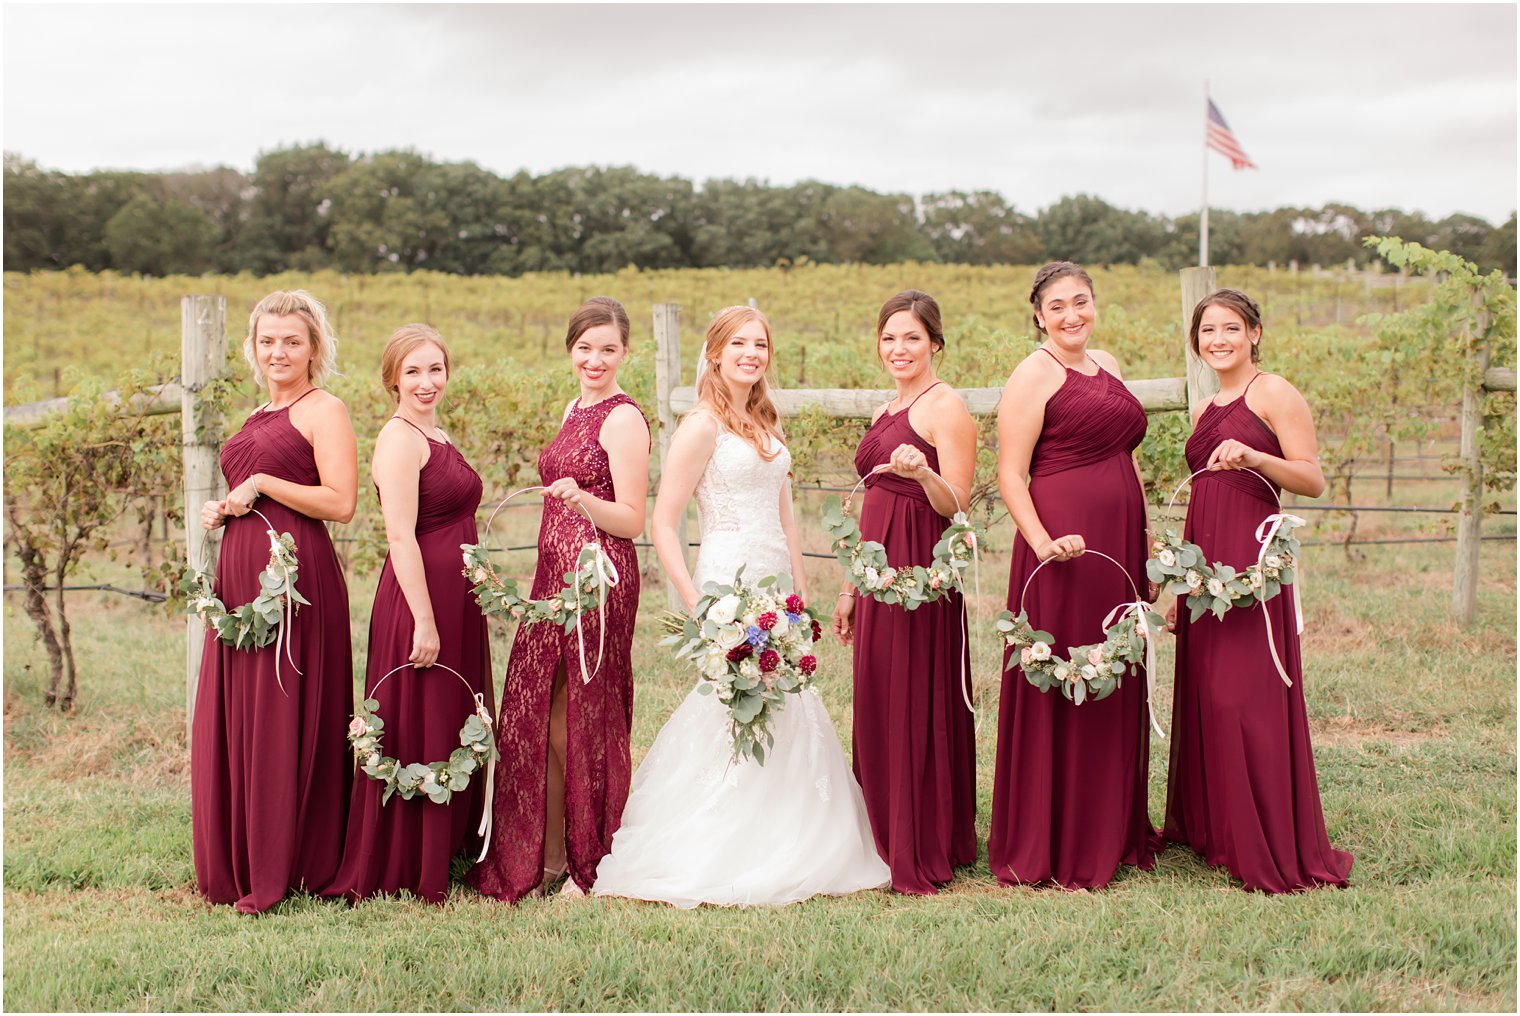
(1203, 218)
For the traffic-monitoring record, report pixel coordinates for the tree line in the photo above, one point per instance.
(312, 207)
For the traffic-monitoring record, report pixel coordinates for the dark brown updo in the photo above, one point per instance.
(1232, 300)
(1050, 273)
(599, 310)
(922, 306)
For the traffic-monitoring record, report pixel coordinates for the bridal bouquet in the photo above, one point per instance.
(752, 644)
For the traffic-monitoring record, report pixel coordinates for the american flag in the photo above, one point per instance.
(1223, 141)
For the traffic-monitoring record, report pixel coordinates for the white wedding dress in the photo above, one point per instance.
(702, 828)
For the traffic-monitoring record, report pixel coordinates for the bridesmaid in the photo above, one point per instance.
(1234, 721)
(914, 739)
(564, 735)
(269, 768)
(423, 614)
(1069, 797)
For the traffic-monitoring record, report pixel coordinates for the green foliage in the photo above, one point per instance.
(69, 479)
(1440, 348)
(161, 237)
(312, 207)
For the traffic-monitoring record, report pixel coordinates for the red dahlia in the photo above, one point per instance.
(817, 631)
(766, 621)
(769, 660)
(794, 604)
(740, 651)
(807, 664)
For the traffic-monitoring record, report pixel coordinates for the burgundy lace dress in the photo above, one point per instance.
(599, 712)
(270, 769)
(914, 739)
(1241, 787)
(409, 844)
(1069, 795)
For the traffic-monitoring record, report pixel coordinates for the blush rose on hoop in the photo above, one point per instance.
(585, 589)
(1181, 568)
(752, 645)
(267, 617)
(438, 781)
(1090, 672)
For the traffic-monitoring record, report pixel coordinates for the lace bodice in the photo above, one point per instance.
(739, 507)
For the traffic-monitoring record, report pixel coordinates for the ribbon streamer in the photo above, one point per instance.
(484, 829)
(976, 571)
(1265, 533)
(280, 639)
(606, 572)
(1138, 607)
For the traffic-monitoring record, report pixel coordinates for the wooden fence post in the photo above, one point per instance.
(1202, 382)
(203, 356)
(1464, 584)
(667, 376)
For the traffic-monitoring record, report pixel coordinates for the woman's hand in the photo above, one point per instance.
(566, 489)
(844, 618)
(1152, 590)
(424, 643)
(213, 515)
(240, 499)
(1171, 616)
(1062, 548)
(908, 461)
(1232, 454)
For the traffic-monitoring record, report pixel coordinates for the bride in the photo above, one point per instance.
(700, 827)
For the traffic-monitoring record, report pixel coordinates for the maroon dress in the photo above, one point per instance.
(269, 769)
(1069, 795)
(1241, 789)
(914, 739)
(599, 713)
(409, 844)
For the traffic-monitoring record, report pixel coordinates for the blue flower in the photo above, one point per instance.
(792, 618)
(756, 636)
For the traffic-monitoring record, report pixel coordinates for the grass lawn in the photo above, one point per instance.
(1414, 725)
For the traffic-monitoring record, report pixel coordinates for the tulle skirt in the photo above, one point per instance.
(700, 827)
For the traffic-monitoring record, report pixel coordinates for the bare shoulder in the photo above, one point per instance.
(565, 415)
(626, 414)
(1273, 391)
(944, 402)
(1037, 376)
(701, 424)
(1106, 360)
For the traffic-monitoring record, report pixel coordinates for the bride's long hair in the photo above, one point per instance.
(761, 420)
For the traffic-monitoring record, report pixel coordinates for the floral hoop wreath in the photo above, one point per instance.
(1094, 671)
(267, 618)
(437, 780)
(585, 589)
(1181, 568)
(910, 587)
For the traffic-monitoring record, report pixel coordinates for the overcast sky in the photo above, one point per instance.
(1410, 106)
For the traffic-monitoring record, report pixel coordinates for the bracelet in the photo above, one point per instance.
(253, 481)
(848, 592)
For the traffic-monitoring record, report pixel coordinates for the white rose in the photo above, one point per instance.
(1167, 558)
(1256, 579)
(1193, 579)
(373, 760)
(1039, 651)
(724, 610)
(1216, 588)
(729, 635)
(1062, 672)
(750, 620)
(750, 668)
(1273, 561)
(781, 627)
(1089, 671)
(873, 579)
